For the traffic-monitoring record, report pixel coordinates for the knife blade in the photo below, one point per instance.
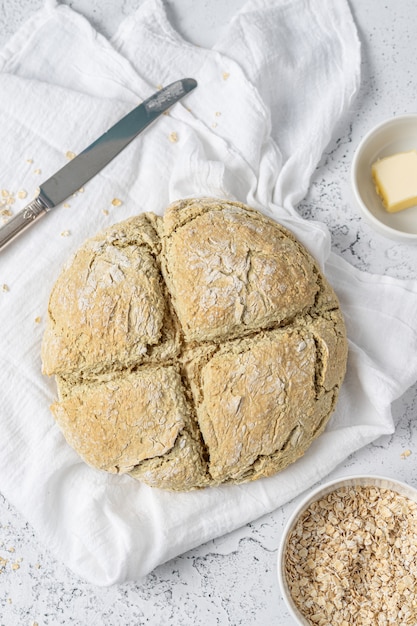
(94, 158)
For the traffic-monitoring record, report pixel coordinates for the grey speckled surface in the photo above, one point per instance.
(232, 581)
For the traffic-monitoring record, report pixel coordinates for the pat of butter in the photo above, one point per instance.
(395, 179)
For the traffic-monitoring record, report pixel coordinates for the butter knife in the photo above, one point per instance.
(94, 158)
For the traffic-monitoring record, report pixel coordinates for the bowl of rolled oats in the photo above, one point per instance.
(348, 555)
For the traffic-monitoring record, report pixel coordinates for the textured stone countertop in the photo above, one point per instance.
(232, 581)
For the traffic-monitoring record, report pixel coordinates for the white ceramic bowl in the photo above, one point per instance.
(397, 134)
(318, 493)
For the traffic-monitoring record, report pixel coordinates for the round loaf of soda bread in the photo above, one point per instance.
(194, 349)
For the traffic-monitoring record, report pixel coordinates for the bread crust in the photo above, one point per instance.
(201, 348)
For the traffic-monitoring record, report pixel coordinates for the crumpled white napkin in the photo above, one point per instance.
(270, 94)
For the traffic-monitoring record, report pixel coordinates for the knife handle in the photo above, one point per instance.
(17, 224)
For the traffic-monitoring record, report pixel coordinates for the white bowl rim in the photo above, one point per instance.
(393, 233)
(323, 489)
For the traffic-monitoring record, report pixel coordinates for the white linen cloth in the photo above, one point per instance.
(270, 93)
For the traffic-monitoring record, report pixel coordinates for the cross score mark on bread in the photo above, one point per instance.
(196, 349)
